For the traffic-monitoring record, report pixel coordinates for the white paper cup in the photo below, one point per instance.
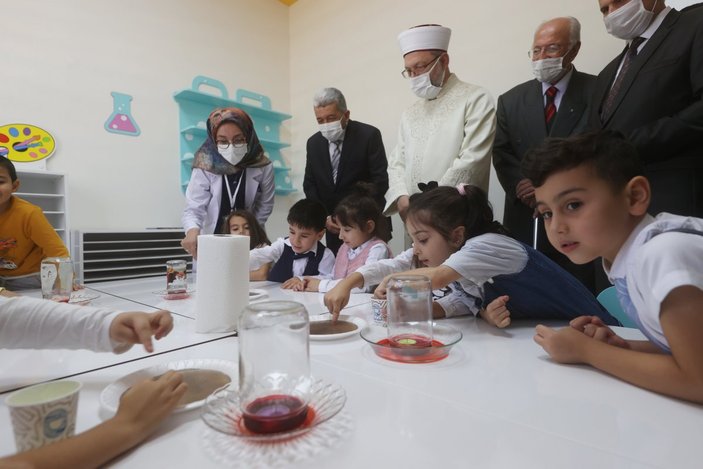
(380, 315)
(44, 413)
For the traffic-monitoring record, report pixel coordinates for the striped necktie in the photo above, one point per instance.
(617, 84)
(334, 159)
(550, 109)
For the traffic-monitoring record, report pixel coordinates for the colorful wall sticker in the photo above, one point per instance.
(25, 143)
(121, 120)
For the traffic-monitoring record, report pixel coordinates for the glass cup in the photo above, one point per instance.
(44, 413)
(409, 311)
(176, 276)
(274, 366)
(56, 278)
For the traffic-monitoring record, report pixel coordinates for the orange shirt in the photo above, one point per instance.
(26, 237)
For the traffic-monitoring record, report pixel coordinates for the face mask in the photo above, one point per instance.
(629, 21)
(233, 154)
(547, 70)
(422, 85)
(332, 131)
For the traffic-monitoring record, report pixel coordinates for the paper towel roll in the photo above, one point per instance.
(222, 282)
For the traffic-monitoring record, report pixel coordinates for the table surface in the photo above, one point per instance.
(496, 401)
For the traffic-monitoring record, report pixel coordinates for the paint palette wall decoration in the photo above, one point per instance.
(25, 143)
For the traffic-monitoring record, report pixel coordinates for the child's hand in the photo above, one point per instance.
(295, 284)
(146, 404)
(565, 345)
(496, 313)
(336, 299)
(136, 327)
(312, 284)
(594, 327)
(381, 290)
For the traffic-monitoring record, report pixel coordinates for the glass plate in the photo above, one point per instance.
(110, 396)
(221, 412)
(82, 297)
(174, 296)
(444, 338)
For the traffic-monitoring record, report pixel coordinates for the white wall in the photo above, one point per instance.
(352, 46)
(61, 60)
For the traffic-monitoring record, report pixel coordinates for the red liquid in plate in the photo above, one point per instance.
(273, 414)
(410, 348)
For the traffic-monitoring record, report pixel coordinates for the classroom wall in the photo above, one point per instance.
(61, 60)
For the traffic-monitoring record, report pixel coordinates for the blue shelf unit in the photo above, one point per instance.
(194, 107)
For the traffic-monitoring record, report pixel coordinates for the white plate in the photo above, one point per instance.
(81, 297)
(110, 396)
(360, 324)
(256, 293)
(174, 296)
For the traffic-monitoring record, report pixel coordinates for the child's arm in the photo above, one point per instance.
(261, 273)
(265, 254)
(312, 283)
(44, 235)
(678, 375)
(137, 328)
(338, 297)
(141, 410)
(440, 276)
(496, 313)
(593, 326)
(294, 283)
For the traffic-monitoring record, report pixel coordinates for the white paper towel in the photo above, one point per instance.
(222, 282)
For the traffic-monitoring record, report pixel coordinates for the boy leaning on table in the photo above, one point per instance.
(593, 197)
(26, 236)
(33, 323)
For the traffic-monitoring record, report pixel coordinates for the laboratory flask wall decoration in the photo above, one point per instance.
(121, 120)
(25, 143)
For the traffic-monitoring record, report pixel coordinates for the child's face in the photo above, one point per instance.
(583, 216)
(7, 187)
(430, 247)
(238, 226)
(353, 236)
(303, 239)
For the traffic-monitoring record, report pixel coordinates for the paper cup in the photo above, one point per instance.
(380, 315)
(44, 413)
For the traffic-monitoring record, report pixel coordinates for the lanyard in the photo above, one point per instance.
(232, 197)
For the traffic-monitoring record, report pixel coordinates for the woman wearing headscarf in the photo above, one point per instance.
(230, 172)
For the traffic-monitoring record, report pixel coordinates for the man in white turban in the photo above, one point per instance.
(446, 136)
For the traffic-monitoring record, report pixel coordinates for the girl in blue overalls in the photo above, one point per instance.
(456, 239)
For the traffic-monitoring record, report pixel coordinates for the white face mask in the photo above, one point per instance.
(232, 154)
(332, 131)
(629, 21)
(422, 84)
(547, 70)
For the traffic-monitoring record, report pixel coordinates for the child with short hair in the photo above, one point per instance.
(243, 222)
(364, 233)
(593, 196)
(26, 236)
(301, 253)
(457, 241)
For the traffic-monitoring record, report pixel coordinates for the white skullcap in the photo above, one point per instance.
(427, 37)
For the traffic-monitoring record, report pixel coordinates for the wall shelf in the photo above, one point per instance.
(194, 107)
(47, 189)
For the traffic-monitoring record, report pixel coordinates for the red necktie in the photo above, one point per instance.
(629, 55)
(550, 109)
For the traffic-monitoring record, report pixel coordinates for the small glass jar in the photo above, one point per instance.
(176, 276)
(56, 275)
(274, 366)
(409, 311)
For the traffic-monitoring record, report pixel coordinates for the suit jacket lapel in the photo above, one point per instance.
(570, 109)
(534, 113)
(347, 147)
(325, 165)
(642, 58)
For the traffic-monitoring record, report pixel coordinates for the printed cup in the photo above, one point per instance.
(380, 312)
(56, 278)
(44, 413)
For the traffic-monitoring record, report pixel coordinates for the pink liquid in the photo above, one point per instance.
(409, 341)
(276, 413)
(401, 348)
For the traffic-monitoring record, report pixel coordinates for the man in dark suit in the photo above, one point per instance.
(341, 154)
(554, 104)
(652, 92)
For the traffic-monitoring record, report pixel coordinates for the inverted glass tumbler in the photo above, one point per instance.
(409, 311)
(274, 366)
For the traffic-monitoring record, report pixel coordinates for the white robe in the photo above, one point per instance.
(447, 139)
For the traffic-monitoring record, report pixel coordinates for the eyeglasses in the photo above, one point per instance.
(551, 49)
(419, 69)
(224, 144)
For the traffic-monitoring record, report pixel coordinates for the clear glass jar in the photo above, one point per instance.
(274, 366)
(176, 276)
(56, 275)
(409, 311)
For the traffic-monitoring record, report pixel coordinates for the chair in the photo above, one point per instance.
(609, 299)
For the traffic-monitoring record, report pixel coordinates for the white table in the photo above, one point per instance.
(497, 401)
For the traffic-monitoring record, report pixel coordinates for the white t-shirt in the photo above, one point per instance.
(34, 323)
(655, 261)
